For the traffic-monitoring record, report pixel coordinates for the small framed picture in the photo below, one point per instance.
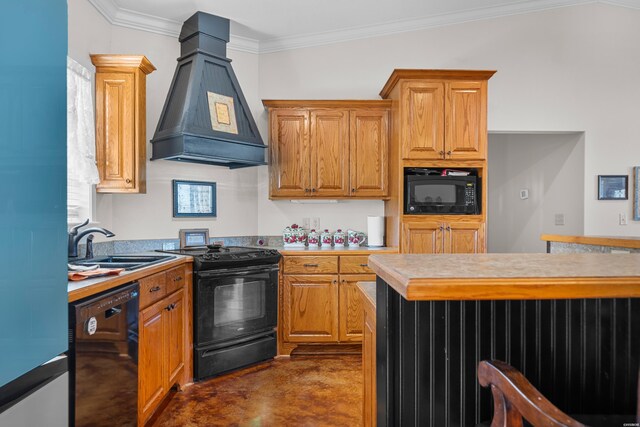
(194, 237)
(613, 187)
(194, 199)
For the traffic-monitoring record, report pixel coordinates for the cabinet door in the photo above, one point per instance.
(115, 131)
(289, 149)
(464, 238)
(422, 237)
(369, 368)
(369, 145)
(466, 120)
(175, 313)
(329, 152)
(422, 120)
(310, 308)
(151, 372)
(351, 306)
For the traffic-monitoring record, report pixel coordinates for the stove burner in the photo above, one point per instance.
(217, 248)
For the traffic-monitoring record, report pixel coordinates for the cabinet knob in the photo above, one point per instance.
(306, 190)
(128, 181)
(448, 153)
(441, 227)
(441, 152)
(353, 190)
(335, 282)
(313, 190)
(448, 228)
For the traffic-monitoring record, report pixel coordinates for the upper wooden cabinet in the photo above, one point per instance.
(443, 113)
(328, 149)
(121, 140)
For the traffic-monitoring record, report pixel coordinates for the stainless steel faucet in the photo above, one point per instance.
(75, 236)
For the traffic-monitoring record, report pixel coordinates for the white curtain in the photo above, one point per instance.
(82, 171)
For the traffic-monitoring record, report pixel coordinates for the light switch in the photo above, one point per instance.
(559, 220)
(622, 218)
(305, 223)
(524, 194)
(315, 223)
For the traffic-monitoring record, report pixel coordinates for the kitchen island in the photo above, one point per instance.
(569, 322)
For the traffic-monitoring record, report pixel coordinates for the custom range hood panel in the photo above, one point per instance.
(206, 118)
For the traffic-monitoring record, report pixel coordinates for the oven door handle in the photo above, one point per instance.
(236, 272)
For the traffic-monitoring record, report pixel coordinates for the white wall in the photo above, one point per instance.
(551, 168)
(567, 69)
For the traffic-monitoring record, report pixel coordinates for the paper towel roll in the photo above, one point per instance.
(375, 230)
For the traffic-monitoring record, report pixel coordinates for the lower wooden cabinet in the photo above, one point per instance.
(322, 308)
(310, 312)
(434, 237)
(163, 332)
(369, 416)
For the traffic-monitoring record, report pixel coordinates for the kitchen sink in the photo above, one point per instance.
(128, 262)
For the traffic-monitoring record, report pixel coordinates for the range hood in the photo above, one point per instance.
(206, 118)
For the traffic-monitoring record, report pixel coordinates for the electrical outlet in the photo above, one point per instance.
(315, 223)
(524, 194)
(622, 218)
(559, 219)
(305, 223)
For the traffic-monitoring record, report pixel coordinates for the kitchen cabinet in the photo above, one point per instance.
(444, 120)
(328, 149)
(121, 141)
(369, 415)
(310, 308)
(320, 303)
(163, 338)
(433, 237)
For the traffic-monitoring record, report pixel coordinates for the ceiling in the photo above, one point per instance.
(272, 25)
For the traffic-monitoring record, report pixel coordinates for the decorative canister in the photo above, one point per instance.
(313, 239)
(325, 239)
(294, 236)
(355, 238)
(339, 238)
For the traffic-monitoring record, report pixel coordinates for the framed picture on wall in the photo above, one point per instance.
(636, 193)
(613, 187)
(194, 199)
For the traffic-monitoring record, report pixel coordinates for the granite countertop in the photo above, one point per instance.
(632, 242)
(510, 276)
(84, 288)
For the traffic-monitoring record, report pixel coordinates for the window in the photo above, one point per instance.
(82, 173)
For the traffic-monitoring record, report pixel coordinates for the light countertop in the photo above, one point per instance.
(510, 276)
(84, 288)
(632, 242)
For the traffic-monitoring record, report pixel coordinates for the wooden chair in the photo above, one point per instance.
(515, 398)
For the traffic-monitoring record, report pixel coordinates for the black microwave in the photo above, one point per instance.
(426, 193)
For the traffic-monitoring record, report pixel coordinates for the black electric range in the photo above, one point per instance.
(235, 307)
(214, 257)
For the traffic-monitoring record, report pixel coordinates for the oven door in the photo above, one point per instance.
(233, 303)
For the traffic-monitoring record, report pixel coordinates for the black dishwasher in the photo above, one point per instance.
(103, 358)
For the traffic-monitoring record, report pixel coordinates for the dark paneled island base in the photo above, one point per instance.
(582, 354)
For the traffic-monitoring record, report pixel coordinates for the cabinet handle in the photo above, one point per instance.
(335, 282)
(364, 265)
(448, 228)
(343, 281)
(353, 190)
(177, 278)
(441, 227)
(155, 289)
(313, 190)
(128, 181)
(449, 153)
(170, 307)
(306, 190)
(441, 153)
(310, 265)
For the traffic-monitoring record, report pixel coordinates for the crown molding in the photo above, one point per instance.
(127, 18)
(140, 21)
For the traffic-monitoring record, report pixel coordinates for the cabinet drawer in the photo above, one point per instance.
(310, 264)
(356, 264)
(175, 279)
(152, 289)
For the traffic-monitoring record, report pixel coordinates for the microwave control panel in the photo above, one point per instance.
(470, 194)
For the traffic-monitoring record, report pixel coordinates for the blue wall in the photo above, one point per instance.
(33, 128)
